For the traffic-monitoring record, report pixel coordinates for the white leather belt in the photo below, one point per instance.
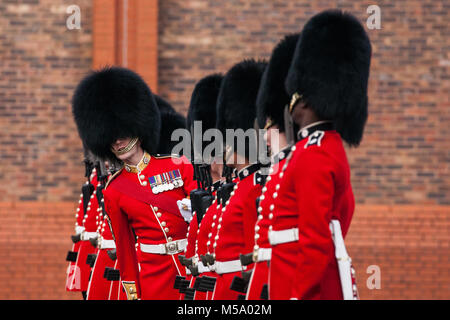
(262, 254)
(222, 267)
(344, 262)
(283, 236)
(172, 247)
(88, 235)
(107, 244)
(79, 229)
(202, 268)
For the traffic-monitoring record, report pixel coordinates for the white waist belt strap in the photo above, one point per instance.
(107, 244)
(88, 235)
(343, 260)
(172, 247)
(262, 254)
(202, 268)
(283, 236)
(222, 267)
(79, 229)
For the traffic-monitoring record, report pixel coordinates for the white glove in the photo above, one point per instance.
(185, 208)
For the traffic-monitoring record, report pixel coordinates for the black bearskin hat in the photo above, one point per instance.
(170, 121)
(203, 105)
(330, 69)
(236, 104)
(115, 103)
(203, 102)
(272, 95)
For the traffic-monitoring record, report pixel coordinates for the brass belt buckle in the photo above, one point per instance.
(172, 247)
(255, 255)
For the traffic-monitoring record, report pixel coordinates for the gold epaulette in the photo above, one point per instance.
(111, 178)
(165, 156)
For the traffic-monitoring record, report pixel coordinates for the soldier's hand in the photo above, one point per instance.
(185, 208)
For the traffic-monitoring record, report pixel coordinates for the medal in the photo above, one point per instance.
(164, 185)
(178, 179)
(153, 184)
(171, 184)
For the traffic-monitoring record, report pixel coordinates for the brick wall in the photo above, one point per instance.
(404, 157)
(41, 62)
(400, 174)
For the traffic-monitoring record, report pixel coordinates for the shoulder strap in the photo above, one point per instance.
(144, 194)
(111, 178)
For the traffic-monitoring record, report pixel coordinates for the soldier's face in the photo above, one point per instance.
(275, 139)
(120, 147)
(298, 112)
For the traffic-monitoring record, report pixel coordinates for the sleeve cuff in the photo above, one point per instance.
(130, 290)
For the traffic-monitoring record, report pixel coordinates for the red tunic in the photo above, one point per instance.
(151, 224)
(261, 269)
(315, 188)
(71, 281)
(190, 248)
(101, 288)
(204, 228)
(81, 269)
(235, 231)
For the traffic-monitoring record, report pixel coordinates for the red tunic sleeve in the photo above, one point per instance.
(187, 174)
(249, 216)
(124, 238)
(314, 186)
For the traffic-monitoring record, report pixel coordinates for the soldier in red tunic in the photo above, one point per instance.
(271, 104)
(100, 285)
(85, 230)
(76, 268)
(202, 114)
(313, 203)
(147, 199)
(236, 110)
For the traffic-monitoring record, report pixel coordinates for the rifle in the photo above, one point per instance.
(201, 198)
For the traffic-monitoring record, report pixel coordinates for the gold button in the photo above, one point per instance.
(166, 229)
(163, 223)
(169, 239)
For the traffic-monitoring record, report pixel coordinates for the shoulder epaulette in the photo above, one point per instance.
(113, 177)
(164, 156)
